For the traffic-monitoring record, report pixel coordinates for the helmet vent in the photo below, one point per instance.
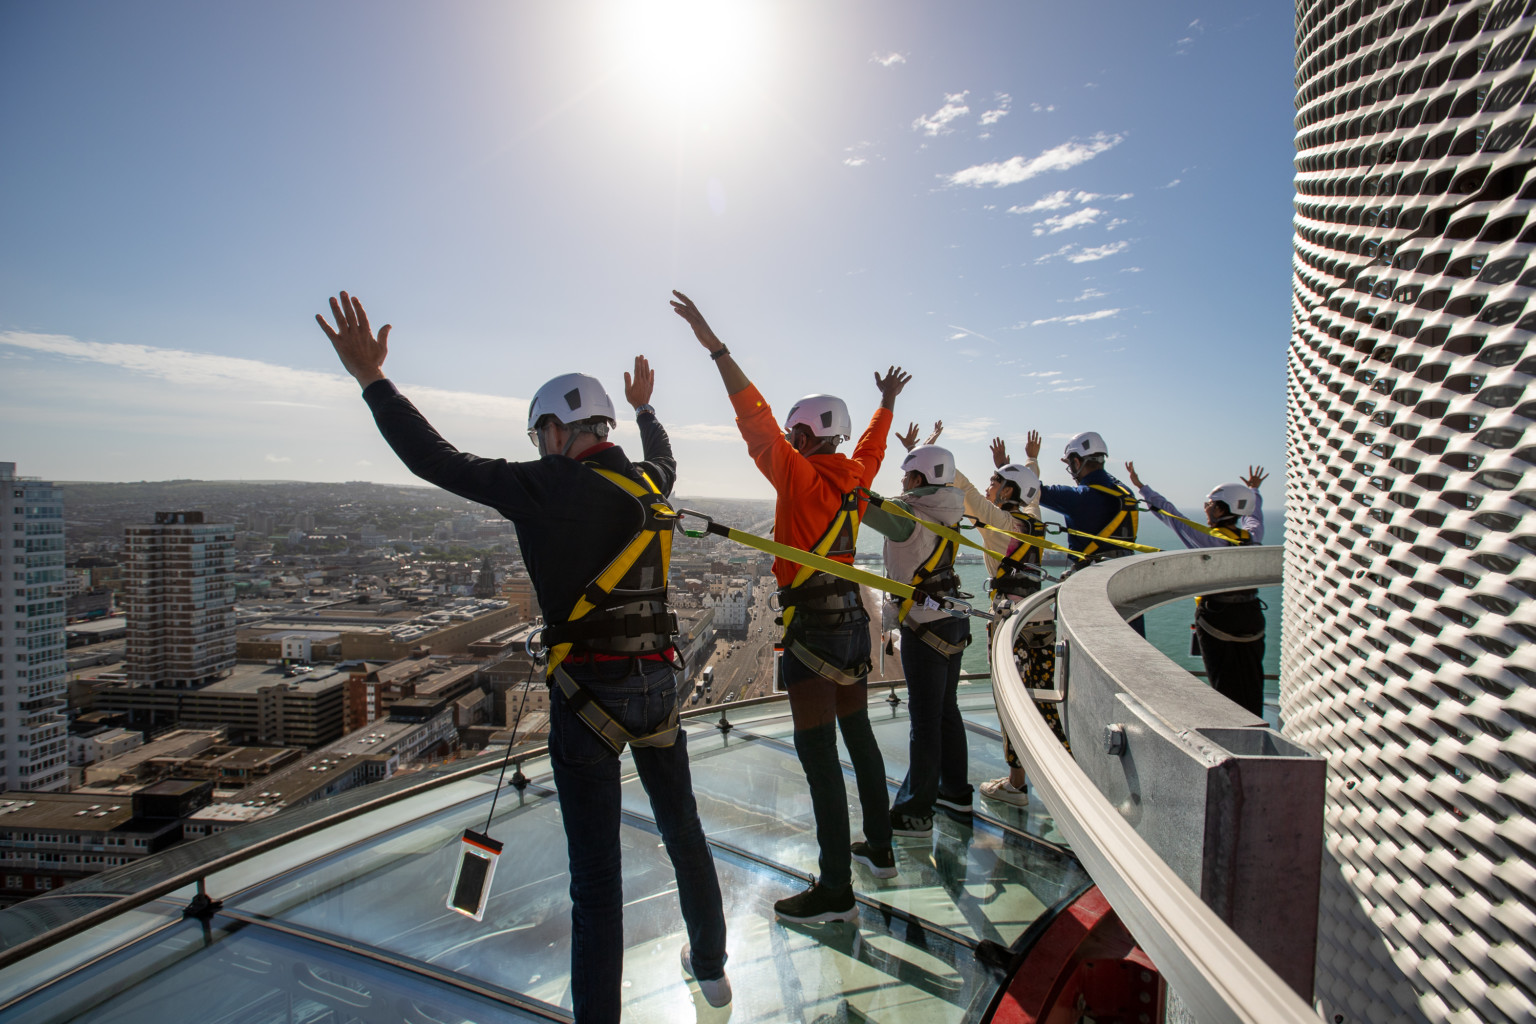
(573, 398)
(826, 419)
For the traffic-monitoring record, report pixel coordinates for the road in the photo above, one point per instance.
(744, 668)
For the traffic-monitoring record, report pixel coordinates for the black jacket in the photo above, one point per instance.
(570, 522)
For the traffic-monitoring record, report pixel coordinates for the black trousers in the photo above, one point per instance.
(1235, 669)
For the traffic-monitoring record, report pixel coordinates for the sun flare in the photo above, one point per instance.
(690, 49)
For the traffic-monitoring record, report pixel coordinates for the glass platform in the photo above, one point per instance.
(349, 924)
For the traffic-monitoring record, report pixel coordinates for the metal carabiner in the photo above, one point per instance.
(708, 521)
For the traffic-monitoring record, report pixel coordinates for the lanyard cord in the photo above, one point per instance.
(510, 744)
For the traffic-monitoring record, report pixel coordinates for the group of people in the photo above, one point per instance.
(595, 531)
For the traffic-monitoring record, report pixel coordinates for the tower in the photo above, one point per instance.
(181, 600)
(33, 746)
(1408, 636)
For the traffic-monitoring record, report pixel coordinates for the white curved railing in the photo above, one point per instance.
(1210, 968)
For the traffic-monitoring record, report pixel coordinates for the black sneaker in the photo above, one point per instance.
(911, 826)
(881, 863)
(818, 904)
(954, 808)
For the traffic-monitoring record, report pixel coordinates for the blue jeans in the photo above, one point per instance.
(938, 754)
(820, 708)
(640, 695)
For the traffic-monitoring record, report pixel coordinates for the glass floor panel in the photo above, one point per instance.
(368, 913)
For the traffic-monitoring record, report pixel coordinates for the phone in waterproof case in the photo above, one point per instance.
(478, 855)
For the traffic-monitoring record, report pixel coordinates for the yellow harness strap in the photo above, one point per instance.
(1128, 507)
(656, 512)
(847, 514)
(1219, 532)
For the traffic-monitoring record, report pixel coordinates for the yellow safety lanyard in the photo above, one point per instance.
(1219, 532)
(1024, 538)
(1128, 507)
(847, 515)
(657, 512)
(932, 564)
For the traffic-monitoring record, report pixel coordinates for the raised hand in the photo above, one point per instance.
(359, 351)
(999, 452)
(1255, 477)
(909, 439)
(683, 306)
(1032, 445)
(890, 385)
(938, 428)
(1130, 469)
(637, 390)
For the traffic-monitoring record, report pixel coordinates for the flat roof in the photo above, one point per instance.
(98, 626)
(248, 677)
(64, 811)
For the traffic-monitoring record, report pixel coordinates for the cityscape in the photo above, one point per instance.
(257, 714)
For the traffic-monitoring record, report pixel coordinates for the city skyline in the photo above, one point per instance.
(1057, 219)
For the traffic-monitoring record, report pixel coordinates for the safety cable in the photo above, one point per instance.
(832, 567)
(511, 742)
(1209, 531)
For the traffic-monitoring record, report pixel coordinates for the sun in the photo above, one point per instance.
(689, 51)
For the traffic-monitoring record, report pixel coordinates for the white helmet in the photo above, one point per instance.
(1024, 478)
(570, 398)
(1240, 500)
(936, 464)
(1086, 445)
(823, 416)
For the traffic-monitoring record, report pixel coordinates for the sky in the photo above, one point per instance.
(1057, 217)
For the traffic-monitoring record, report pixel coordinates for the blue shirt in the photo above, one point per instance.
(1082, 507)
(1193, 538)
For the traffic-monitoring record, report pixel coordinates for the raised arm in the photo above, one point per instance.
(359, 351)
(730, 373)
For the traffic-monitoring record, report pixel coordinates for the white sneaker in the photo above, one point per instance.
(716, 991)
(1005, 792)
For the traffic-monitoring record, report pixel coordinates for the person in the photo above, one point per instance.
(1096, 505)
(1229, 628)
(826, 628)
(1012, 503)
(932, 640)
(576, 510)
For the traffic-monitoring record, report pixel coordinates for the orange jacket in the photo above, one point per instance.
(810, 488)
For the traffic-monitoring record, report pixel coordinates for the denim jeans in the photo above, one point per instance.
(640, 695)
(819, 708)
(938, 754)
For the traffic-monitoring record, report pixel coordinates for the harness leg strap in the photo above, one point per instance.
(596, 717)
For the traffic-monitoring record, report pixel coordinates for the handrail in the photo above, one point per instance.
(1218, 977)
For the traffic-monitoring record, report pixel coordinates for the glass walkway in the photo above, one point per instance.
(349, 923)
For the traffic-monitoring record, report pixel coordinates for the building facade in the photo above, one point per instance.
(181, 600)
(1407, 644)
(34, 752)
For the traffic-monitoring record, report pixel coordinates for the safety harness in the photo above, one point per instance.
(1011, 578)
(1121, 528)
(934, 579)
(1229, 531)
(832, 600)
(623, 610)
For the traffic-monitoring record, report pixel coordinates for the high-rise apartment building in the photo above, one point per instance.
(34, 750)
(1409, 633)
(181, 600)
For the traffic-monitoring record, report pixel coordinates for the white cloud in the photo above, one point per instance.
(278, 458)
(1088, 293)
(966, 332)
(997, 113)
(1097, 252)
(1051, 201)
(977, 429)
(1172, 183)
(1077, 318)
(1044, 108)
(1130, 270)
(937, 123)
(855, 161)
(889, 59)
(1066, 222)
(1042, 373)
(1016, 169)
(1074, 387)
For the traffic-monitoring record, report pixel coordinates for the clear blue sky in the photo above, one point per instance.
(1059, 216)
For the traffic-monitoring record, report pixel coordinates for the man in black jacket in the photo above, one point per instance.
(580, 512)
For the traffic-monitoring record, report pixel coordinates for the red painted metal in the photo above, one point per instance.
(1085, 965)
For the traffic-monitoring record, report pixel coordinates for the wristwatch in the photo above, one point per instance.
(647, 407)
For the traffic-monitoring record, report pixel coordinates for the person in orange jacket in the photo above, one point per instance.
(826, 628)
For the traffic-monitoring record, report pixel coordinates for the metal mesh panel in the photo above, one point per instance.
(1407, 654)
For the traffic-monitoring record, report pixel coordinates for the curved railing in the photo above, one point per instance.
(1217, 976)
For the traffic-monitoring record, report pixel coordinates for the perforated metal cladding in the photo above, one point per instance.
(1407, 632)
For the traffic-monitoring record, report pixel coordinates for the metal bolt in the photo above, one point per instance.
(1114, 740)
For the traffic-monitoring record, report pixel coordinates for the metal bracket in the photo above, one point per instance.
(202, 907)
(1114, 740)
